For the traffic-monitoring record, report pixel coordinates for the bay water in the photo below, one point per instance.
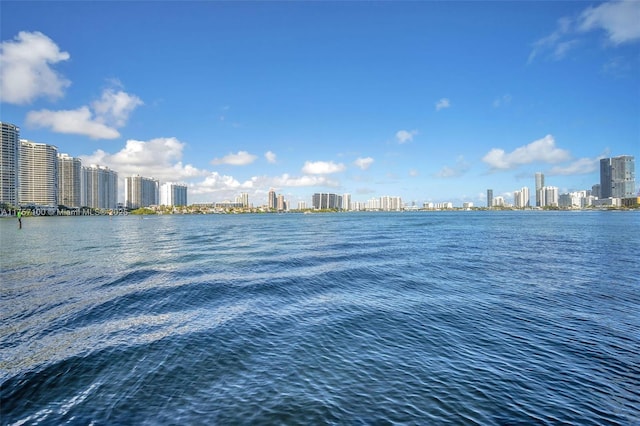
(339, 318)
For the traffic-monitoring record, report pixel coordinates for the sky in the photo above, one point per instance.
(430, 101)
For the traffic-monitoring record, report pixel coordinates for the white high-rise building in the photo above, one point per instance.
(69, 181)
(38, 174)
(173, 194)
(521, 198)
(140, 192)
(99, 187)
(549, 196)
(346, 202)
(9, 163)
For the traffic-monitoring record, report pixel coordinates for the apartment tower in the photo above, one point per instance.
(69, 181)
(38, 174)
(9, 164)
(617, 177)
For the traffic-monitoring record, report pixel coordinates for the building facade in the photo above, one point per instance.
(521, 198)
(489, 198)
(69, 181)
(38, 178)
(323, 201)
(140, 192)
(173, 194)
(272, 199)
(617, 177)
(9, 164)
(539, 186)
(99, 187)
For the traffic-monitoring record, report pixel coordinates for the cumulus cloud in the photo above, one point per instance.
(619, 19)
(79, 121)
(403, 136)
(322, 167)
(270, 157)
(115, 107)
(26, 71)
(363, 163)
(160, 158)
(101, 121)
(442, 104)
(460, 168)
(542, 150)
(241, 158)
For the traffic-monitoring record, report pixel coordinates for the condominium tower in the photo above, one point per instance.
(69, 181)
(9, 163)
(140, 192)
(539, 186)
(173, 194)
(99, 187)
(38, 174)
(617, 177)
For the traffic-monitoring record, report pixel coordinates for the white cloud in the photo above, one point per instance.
(442, 104)
(322, 167)
(114, 108)
(620, 19)
(542, 150)
(363, 163)
(26, 72)
(159, 158)
(404, 136)
(581, 166)
(78, 121)
(241, 158)
(460, 168)
(271, 157)
(109, 113)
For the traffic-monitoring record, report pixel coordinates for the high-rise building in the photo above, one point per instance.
(549, 196)
(322, 201)
(489, 197)
(9, 163)
(521, 198)
(272, 199)
(38, 174)
(281, 203)
(244, 199)
(140, 192)
(539, 186)
(173, 194)
(617, 177)
(99, 187)
(346, 202)
(69, 181)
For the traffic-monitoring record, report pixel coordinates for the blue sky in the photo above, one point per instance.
(430, 101)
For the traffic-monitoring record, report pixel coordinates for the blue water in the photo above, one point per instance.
(353, 318)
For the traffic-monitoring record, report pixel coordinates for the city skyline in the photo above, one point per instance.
(416, 100)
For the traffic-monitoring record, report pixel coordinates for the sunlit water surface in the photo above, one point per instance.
(352, 318)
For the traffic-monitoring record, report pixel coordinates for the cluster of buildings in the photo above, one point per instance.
(616, 189)
(36, 174)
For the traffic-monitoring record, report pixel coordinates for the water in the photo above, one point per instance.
(412, 318)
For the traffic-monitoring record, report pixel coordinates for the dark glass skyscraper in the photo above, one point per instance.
(617, 177)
